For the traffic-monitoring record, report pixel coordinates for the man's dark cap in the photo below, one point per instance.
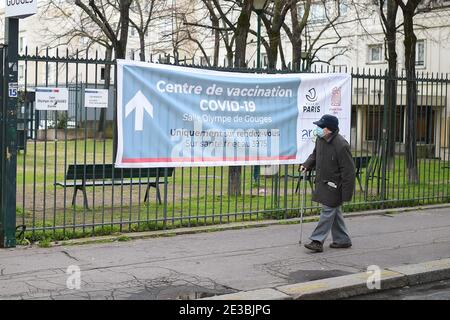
(328, 121)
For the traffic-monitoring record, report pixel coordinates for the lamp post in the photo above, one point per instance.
(258, 7)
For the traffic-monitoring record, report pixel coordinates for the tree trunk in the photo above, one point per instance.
(275, 34)
(282, 57)
(216, 24)
(297, 29)
(411, 93)
(296, 40)
(228, 47)
(142, 45)
(230, 56)
(391, 83)
(272, 54)
(121, 44)
(242, 29)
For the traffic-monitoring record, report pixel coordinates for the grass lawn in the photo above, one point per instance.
(194, 196)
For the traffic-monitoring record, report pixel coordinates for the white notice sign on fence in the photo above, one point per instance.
(96, 98)
(52, 99)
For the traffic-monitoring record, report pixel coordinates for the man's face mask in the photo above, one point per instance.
(319, 132)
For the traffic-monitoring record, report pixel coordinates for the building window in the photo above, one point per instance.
(420, 53)
(265, 60)
(425, 125)
(317, 13)
(132, 31)
(165, 29)
(377, 3)
(343, 7)
(374, 121)
(21, 44)
(21, 73)
(300, 11)
(338, 56)
(374, 124)
(375, 53)
(131, 54)
(205, 61)
(102, 73)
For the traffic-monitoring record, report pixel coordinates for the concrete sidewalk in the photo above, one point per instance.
(199, 265)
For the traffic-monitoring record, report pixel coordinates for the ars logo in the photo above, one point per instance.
(308, 134)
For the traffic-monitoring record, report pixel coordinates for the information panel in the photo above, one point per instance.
(170, 116)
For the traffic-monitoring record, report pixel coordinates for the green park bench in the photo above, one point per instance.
(80, 176)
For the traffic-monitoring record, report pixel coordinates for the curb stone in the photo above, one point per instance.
(349, 285)
(260, 294)
(426, 272)
(342, 287)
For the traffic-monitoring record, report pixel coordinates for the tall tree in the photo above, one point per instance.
(316, 36)
(242, 31)
(142, 14)
(389, 23)
(273, 27)
(200, 34)
(96, 10)
(229, 31)
(215, 24)
(298, 25)
(409, 8)
(78, 26)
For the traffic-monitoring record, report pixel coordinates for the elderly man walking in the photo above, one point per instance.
(334, 184)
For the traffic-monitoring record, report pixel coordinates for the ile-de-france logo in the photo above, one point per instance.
(336, 101)
(311, 96)
(336, 97)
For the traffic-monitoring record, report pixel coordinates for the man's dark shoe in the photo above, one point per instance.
(340, 246)
(314, 246)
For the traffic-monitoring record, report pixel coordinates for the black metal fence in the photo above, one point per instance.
(68, 187)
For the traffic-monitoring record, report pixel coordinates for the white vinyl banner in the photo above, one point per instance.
(171, 116)
(56, 99)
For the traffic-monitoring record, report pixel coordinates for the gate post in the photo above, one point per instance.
(8, 136)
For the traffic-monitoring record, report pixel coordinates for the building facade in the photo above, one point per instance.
(353, 42)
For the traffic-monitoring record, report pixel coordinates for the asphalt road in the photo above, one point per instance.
(432, 291)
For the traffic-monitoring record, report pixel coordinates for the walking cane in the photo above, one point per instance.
(302, 206)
